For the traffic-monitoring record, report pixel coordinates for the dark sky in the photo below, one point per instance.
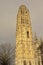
(8, 14)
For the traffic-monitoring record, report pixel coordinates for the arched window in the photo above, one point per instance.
(38, 62)
(22, 11)
(24, 62)
(27, 34)
(29, 62)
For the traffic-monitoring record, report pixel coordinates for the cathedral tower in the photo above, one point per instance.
(24, 53)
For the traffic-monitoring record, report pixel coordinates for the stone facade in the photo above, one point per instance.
(26, 52)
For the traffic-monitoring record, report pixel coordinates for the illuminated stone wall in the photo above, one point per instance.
(24, 52)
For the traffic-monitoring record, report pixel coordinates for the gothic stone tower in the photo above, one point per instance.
(24, 53)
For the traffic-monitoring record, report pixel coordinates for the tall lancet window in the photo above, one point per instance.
(27, 34)
(22, 20)
(24, 62)
(38, 62)
(29, 62)
(22, 11)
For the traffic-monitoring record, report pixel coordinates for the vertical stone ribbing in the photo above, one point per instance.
(24, 53)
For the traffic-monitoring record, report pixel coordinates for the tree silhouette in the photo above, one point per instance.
(6, 54)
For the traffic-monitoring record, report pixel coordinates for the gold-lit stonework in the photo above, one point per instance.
(24, 52)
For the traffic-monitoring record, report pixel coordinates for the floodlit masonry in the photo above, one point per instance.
(25, 53)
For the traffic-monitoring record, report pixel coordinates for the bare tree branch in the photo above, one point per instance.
(6, 54)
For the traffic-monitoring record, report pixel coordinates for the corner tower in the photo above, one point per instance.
(24, 53)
